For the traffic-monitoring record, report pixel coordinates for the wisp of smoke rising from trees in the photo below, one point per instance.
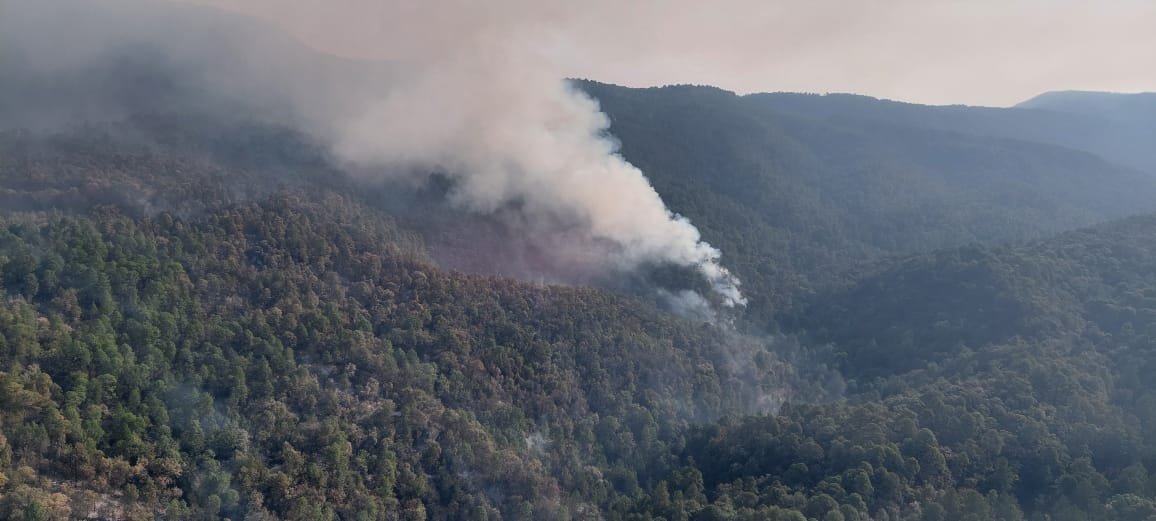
(472, 94)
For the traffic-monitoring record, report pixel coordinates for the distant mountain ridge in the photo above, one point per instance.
(1093, 102)
(1117, 127)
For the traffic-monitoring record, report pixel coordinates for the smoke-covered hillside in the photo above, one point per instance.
(593, 185)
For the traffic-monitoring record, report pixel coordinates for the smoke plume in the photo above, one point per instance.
(475, 97)
(482, 103)
(510, 138)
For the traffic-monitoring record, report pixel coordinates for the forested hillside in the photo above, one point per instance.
(793, 192)
(214, 324)
(216, 351)
(208, 313)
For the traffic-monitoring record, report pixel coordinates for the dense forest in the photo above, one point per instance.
(210, 325)
(177, 340)
(206, 316)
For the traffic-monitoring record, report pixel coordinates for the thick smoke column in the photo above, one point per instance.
(541, 146)
(482, 105)
(472, 90)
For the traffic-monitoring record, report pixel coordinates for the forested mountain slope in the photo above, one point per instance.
(1041, 349)
(190, 334)
(174, 342)
(205, 316)
(1081, 284)
(793, 193)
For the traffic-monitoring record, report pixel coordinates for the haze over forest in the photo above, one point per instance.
(383, 260)
(991, 53)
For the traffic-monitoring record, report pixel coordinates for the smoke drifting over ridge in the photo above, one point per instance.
(470, 96)
(514, 136)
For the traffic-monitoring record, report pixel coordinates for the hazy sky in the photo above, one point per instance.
(989, 52)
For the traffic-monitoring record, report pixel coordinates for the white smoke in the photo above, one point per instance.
(472, 93)
(491, 111)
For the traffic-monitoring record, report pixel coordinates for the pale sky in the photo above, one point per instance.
(979, 52)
